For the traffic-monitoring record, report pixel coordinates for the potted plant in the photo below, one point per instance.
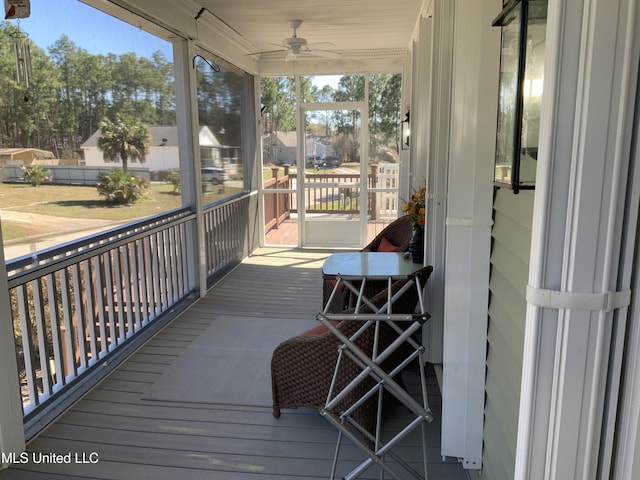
(415, 209)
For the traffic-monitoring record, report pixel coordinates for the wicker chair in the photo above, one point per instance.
(302, 367)
(399, 233)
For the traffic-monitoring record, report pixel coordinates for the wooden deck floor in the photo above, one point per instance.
(286, 233)
(114, 434)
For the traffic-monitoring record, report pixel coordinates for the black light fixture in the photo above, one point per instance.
(523, 28)
(406, 132)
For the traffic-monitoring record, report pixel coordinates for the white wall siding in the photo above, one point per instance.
(468, 227)
(511, 236)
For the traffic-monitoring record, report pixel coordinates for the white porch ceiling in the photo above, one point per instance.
(366, 27)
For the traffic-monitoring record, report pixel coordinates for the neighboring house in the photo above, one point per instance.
(163, 155)
(280, 148)
(26, 156)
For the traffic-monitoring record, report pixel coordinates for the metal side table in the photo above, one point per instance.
(352, 270)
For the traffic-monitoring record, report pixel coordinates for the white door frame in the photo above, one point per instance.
(338, 235)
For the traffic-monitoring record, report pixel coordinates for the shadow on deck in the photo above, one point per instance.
(115, 433)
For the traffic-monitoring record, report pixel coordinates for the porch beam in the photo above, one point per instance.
(189, 145)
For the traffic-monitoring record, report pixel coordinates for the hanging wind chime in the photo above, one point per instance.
(20, 9)
(22, 55)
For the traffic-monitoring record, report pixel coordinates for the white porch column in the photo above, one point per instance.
(577, 251)
(187, 119)
(476, 52)
(11, 426)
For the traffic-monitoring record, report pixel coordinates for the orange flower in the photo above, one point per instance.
(415, 208)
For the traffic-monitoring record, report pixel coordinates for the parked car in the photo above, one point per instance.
(215, 175)
(332, 161)
(328, 161)
(312, 161)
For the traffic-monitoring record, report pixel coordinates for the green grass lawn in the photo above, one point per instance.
(83, 201)
(11, 231)
(73, 201)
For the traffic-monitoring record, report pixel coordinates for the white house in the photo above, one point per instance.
(163, 154)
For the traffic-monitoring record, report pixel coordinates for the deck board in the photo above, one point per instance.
(137, 438)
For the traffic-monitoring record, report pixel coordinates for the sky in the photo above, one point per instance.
(87, 28)
(331, 80)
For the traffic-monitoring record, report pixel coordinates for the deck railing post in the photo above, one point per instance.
(373, 207)
(276, 203)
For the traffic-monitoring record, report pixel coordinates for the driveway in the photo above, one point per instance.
(46, 231)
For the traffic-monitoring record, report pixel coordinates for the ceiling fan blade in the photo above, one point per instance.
(321, 45)
(268, 51)
(325, 53)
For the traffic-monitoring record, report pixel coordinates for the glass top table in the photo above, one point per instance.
(370, 265)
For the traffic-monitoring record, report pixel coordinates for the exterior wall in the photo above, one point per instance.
(158, 159)
(511, 236)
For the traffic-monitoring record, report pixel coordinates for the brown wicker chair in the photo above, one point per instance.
(302, 367)
(398, 232)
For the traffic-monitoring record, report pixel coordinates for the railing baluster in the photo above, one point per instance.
(56, 331)
(166, 266)
(41, 335)
(108, 285)
(65, 293)
(119, 295)
(182, 259)
(155, 268)
(135, 285)
(28, 353)
(88, 292)
(98, 274)
(173, 267)
(125, 284)
(78, 317)
(145, 280)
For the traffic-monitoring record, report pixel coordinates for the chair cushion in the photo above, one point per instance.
(387, 246)
(331, 283)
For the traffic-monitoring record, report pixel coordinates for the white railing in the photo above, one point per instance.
(227, 236)
(387, 179)
(75, 304)
(80, 305)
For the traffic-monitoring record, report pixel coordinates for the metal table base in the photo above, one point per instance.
(378, 449)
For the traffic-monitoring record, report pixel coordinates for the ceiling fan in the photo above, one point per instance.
(295, 46)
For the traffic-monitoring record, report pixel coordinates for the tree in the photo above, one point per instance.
(120, 187)
(36, 174)
(126, 139)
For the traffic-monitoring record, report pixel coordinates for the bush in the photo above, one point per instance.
(35, 175)
(174, 179)
(120, 187)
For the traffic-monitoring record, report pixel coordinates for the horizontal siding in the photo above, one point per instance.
(507, 310)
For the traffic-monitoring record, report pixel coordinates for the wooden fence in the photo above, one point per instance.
(337, 193)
